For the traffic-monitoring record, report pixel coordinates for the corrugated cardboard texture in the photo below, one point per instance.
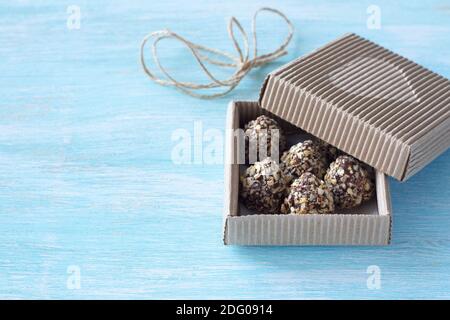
(369, 224)
(373, 104)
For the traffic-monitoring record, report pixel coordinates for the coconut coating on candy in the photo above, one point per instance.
(308, 194)
(263, 130)
(349, 182)
(263, 186)
(303, 157)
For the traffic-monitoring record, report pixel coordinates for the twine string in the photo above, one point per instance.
(202, 54)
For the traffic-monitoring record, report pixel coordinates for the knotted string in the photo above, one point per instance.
(242, 62)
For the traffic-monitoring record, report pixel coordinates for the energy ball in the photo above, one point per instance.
(303, 157)
(263, 186)
(263, 130)
(349, 181)
(330, 152)
(369, 184)
(308, 194)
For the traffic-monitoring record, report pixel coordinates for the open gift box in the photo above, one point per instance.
(377, 106)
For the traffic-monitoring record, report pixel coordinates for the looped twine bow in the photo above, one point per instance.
(242, 63)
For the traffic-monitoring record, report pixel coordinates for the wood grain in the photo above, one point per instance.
(87, 180)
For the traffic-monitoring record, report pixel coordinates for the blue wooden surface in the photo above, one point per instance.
(86, 177)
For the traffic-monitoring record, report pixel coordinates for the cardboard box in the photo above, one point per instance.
(369, 224)
(373, 104)
(367, 101)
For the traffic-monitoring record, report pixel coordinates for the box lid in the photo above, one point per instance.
(373, 104)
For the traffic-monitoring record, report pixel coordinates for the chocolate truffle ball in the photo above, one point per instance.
(349, 181)
(330, 152)
(369, 184)
(303, 157)
(259, 131)
(263, 186)
(308, 194)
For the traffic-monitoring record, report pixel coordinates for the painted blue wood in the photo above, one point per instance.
(87, 181)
